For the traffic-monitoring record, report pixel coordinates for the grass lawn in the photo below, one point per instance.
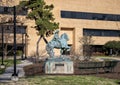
(7, 63)
(64, 80)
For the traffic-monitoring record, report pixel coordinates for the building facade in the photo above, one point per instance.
(99, 19)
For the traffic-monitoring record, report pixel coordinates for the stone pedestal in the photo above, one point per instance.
(59, 66)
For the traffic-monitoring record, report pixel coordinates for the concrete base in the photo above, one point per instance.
(2, 66)
(14, 78)
(59, 66)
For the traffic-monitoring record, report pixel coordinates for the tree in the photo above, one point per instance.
(8, 37)
(112, 47)
(44, 20)
(86, 42)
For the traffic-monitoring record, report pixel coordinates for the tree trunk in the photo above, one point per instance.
(45, 40)
(5, 51)
(37, 48)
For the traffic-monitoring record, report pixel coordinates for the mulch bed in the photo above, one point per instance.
(40, 71)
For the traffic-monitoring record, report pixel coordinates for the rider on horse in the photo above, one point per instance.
(56, 36)
(58, 42)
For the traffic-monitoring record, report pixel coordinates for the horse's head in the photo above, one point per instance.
(64, 36)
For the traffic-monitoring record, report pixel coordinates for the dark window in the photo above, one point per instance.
(1, 9)
(91, 16)
(9, 10)
(5, 9)
(97, 48)
(97, 32)
(10, 47)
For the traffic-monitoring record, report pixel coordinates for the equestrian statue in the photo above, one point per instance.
(58, 43)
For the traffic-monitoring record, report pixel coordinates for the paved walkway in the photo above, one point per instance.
(6, 76)
(102, 58)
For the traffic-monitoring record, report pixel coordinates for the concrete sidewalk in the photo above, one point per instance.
(6, 76)
(102, 58)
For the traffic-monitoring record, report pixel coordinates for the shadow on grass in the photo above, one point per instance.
(118, 82)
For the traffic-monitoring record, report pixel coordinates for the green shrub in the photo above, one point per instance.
(112, 47)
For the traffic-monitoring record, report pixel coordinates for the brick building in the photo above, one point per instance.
(99, 19)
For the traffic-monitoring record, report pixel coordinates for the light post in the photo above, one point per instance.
(2, 64)
(15, 74)
(26, 36)
(22, 57)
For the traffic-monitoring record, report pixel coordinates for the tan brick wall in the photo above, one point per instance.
(95, 6)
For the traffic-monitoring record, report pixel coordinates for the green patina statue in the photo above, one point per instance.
(58, 43)
(61, 64)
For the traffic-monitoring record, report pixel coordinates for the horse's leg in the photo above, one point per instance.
(61, 52)
(68, 49)
(50, 51)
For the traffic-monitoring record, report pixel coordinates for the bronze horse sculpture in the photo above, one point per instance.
(58, 43)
